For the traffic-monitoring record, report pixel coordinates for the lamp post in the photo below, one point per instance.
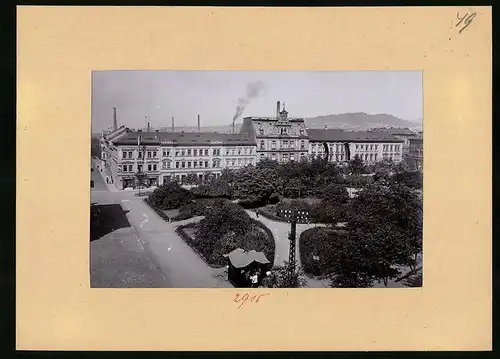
(293, 217)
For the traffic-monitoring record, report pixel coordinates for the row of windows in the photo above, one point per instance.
(283, 131)
(178, 152)
(130, 168)
(389, 148)
(284, 144)
(284, 157)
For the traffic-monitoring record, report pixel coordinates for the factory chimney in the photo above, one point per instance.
(115, 123)
(199, 123)
(173, 127)
(277, 109)
(149, 127)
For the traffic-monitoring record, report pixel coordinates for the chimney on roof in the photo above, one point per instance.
(199, 123)
(278, 109)
(115, 123)
(157, 133)
(173, 127)
(326, 127)
(149, 127)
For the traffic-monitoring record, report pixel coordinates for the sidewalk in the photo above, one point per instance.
(104, 172)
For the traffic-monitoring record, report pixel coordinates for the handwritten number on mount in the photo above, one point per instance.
(244, 298)
(465, 20)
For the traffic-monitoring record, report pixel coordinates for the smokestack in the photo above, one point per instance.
(199, 123)
(115, 123)
(277, 109)
(149, 127)
(173, 127)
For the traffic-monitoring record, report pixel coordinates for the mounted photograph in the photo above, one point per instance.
(256, 179)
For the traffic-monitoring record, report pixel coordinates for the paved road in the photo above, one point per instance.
(99, 184)
(180, 266)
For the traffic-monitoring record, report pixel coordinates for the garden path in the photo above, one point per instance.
(280, 232)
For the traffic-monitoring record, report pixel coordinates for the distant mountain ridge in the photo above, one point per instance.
(358, 121)
(347, 121)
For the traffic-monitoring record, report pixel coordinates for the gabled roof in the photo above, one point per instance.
(338, 135)
(240, 258)
(185, 138)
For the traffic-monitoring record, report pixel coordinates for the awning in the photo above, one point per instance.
(240, 258)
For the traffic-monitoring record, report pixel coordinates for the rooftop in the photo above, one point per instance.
(337, 135)
(240, 258)
(185, 138)
(395, 131)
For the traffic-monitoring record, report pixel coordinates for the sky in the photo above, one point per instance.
(215, 95)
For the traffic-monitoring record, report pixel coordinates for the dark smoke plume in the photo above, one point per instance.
(253, 90)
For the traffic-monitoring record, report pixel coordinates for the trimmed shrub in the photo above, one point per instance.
(320, 242)
(160, 212)
(169, 196)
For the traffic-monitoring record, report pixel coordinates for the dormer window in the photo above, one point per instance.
(261, 131)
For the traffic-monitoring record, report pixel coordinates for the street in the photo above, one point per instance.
(147, 252)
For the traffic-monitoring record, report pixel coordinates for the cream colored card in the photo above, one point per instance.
(58, 47)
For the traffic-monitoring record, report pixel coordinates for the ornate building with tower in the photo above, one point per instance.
(280, 138)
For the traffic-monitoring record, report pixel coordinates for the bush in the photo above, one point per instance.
(198, 207)
(320, 242)
(216, 188)
(169, 196)
(226, 227)
(157, 210)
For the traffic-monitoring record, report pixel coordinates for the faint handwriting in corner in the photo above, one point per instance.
(465, 20)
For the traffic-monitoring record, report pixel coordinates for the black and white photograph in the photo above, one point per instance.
(256, 179)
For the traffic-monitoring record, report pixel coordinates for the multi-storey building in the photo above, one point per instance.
(165, 156)
(404, 134)
(416, 153)
(279, 138)
(343, 145)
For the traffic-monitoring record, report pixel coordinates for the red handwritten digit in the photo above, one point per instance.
(261, 296)
(244, 299)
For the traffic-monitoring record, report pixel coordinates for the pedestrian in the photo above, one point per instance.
(257, 212)
(255, 279)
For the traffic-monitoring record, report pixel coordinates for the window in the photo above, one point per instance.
(206, 163)
(168, 164)
(292, 144)
(183, 164)
(195, 152)
(292, 157)
(285, 157)
(189, 152)
(189, 164)
(239, 162)
(357, 147)
(164, 153)
(391, 148)
(149, 168)
(183, 153)
(262, 144)
(273, 145)
(336, 157)
(285, 144)
(262, 156)
(366, 156)
(206, 152)
(164, 165)
(201, 163)
(195, 164)
(130, 154)
(283, 131)
(239, 151)
(124, 168)
(154, 154)
(227, 152)
(177, 164)
(261, 131)
(139, 168)
(233, 152)
(124, 155)
(273, 156)
(233, 163)
(155, 168)
(176, 153)
(149, 154)
(302, 145)
(371, 157)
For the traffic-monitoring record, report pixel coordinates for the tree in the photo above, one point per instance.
(356, 166)
(410, 179)
(256, 186)
(385, 231)
(282, 276)
(191, 179)
(169, 196)
(333, 205)
(141, 180)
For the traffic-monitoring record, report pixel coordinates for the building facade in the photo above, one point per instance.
(183, 156)
(278, 138)
(173, 156)
(416, 153)
(404, 134)
(343, 145)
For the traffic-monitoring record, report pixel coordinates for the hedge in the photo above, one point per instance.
(189, 241)
(157, 210)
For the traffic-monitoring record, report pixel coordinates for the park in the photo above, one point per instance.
(363, 226)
